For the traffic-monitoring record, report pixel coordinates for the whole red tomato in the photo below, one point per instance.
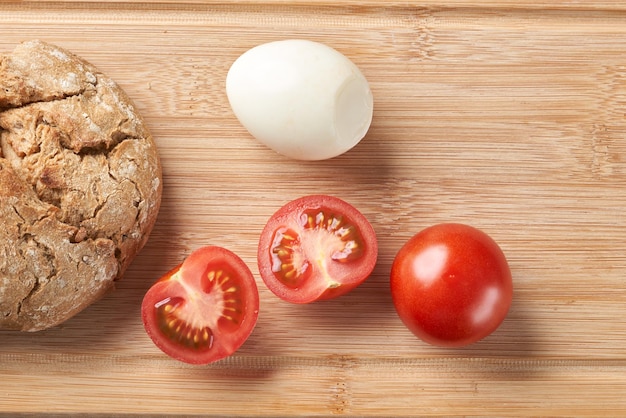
(451, 285)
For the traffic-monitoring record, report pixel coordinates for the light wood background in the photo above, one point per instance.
(507, 115)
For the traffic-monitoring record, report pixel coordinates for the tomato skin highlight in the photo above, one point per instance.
(451, 285)
(204, 309)
(316, 247)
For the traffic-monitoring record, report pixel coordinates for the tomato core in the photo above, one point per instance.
(180, 331)
(322, 232)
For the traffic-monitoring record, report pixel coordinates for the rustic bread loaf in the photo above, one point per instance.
(80, 185)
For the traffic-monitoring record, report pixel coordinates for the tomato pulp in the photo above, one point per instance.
(316, 247)
(204, 309)
(451, 285)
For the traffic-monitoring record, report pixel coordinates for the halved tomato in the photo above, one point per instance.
(316, 247)
(204, 309)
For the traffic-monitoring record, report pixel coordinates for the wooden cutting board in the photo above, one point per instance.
(507, 115)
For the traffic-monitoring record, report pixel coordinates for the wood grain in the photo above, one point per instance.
(483, 4)
(507, 115)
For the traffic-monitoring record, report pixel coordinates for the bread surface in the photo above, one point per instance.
(80, 185)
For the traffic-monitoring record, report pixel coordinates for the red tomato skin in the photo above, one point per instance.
(353, 274)
(451, 285)
(193, 267)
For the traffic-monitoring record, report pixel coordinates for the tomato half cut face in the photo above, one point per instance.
(204, 309)
(316, 247)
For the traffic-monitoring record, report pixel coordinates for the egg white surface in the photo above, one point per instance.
(301, 98)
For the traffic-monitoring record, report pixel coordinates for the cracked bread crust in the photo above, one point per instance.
(80, 185)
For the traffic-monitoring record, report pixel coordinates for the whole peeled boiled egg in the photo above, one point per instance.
(303, 99)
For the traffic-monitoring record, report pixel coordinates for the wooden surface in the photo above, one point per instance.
(507, 115)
